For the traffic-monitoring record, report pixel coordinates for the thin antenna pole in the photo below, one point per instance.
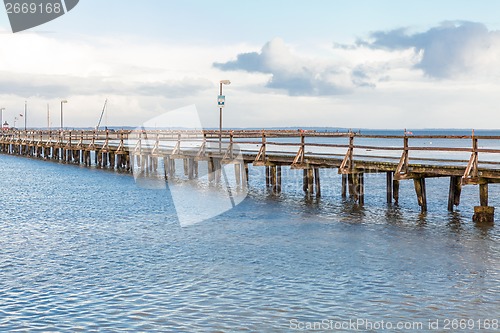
(102, 113)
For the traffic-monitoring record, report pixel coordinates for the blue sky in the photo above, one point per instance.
(375, 64)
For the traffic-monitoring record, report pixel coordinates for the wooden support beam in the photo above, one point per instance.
(165, 167)
(106, 160)
(150, 163)
(278, 179)
(344, 186)
(129, 161)
(310, 182)
(454, 192)
(268, 176)
(237, 174)
(141, 163)
(172, 168)
(317, 182)
(246, 174)
(218, 170)
(273, 179)
(421, 193)
(395, 191)
(304, 180)
(195, 168)
(483, 194)
(351, 180)
(190, 165)
(186, 167)
(389, 184)
(99, 159)
(211, 171)
(361, 189)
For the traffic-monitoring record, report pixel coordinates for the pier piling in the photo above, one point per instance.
(421, 193)
(389, 186)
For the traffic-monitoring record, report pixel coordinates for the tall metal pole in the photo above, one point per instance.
(62, 124)
(1, 117)
(61, 115)
(220, 123)
(25, 114)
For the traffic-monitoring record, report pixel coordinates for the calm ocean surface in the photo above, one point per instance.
(86, 250)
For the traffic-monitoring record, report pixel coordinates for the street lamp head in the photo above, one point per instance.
(64, 101)
(225, 81)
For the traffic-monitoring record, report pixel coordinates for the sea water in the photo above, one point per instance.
(89, 250)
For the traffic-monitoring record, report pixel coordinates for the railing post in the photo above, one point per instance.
(231, 144)
(471, 173)
(263, 145)
(402, 168)
(347, 165)
(351, 149)
(260, 159)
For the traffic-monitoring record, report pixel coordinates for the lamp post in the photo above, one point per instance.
(1, 117)
(221, 104)
(62, 102)
(25, 114)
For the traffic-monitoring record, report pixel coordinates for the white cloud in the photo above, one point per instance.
(342, 71)
(142, 77)
(364, 84)
(460, 50)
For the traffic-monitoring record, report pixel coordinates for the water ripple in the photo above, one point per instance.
(88, 251)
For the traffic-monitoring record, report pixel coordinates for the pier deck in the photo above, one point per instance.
(466, 160)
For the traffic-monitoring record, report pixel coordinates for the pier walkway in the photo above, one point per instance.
(466, 160)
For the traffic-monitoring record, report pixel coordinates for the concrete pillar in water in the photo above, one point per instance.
(484, 214)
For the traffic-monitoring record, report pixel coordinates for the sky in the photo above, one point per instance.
(350, 64)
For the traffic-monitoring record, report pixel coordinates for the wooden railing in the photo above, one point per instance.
(470, 152)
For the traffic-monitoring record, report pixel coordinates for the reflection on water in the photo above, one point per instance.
(87, 250)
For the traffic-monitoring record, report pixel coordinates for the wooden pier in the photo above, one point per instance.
(474, 161)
